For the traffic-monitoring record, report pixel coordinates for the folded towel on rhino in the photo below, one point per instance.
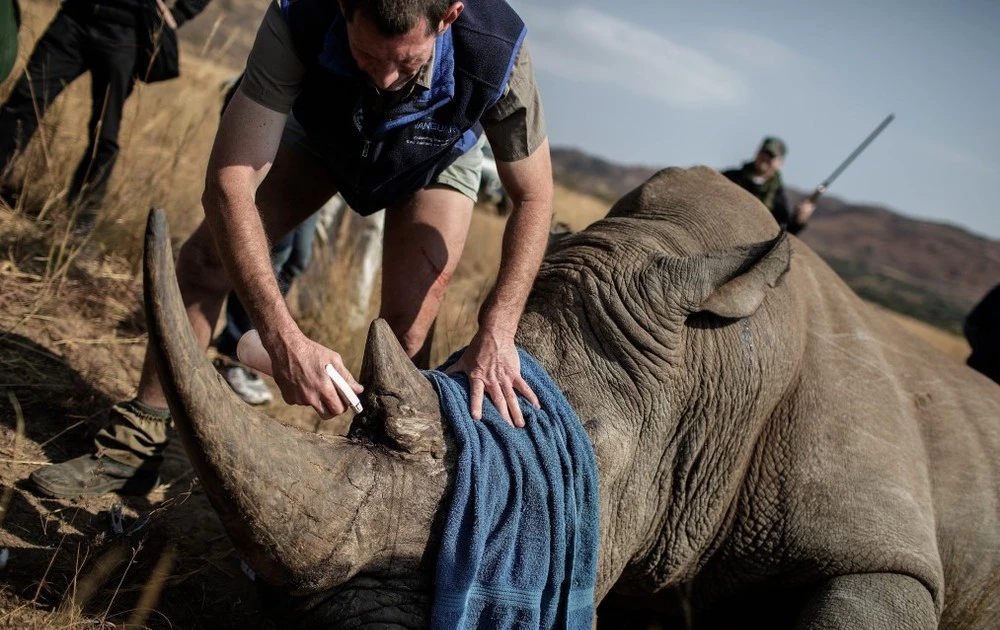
(521, 532)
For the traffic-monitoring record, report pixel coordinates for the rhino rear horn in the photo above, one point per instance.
(398, 397)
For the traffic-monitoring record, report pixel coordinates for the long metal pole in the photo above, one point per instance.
(822, 188)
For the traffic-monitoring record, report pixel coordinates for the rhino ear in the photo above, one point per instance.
(401, 405)
(733, 283)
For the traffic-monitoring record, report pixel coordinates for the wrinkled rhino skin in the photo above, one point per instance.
(771, 450)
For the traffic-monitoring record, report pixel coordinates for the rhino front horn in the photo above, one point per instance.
(398, 398)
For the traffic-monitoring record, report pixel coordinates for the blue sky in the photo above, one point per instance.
(681, 83)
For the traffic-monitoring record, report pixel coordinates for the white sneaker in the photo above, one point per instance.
(247, 384)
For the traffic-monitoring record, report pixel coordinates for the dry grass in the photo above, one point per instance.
(71, 339)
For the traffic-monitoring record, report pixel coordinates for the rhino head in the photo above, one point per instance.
(638, 318)
(307, 511)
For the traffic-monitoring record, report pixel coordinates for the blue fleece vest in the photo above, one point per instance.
(379, 159)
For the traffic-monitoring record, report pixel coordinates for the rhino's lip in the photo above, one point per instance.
(346, 607)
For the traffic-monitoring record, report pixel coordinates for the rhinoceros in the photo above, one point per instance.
(768, 445)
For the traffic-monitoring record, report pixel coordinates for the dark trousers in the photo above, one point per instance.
(289, 256)
(73, 44)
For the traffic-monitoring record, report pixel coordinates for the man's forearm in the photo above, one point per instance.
(524, 242)
(242, 244)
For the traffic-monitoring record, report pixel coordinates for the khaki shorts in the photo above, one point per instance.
(463, 175)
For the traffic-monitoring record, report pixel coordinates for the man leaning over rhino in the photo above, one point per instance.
(389, 104)
(766, 442)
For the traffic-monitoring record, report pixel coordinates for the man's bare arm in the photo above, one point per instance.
(528, 182)
(491, 361)
(245, 146)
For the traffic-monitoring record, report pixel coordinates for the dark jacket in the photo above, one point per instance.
(771, 193)
(143, 27)
(380, 157)
(982, 329)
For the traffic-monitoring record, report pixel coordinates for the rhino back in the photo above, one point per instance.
(890, 457)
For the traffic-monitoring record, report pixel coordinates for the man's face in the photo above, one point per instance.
(390, 62)
(766, 164)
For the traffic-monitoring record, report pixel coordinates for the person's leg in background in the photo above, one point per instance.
(363, 248)
(299, 253)
(247, 384)
(366, 258)
(112, 63)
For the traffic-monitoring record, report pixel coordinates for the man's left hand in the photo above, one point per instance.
(494, 368)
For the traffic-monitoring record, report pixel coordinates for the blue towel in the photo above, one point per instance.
(519, 548)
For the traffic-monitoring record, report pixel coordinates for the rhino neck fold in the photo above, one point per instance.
(289, 500)
(613, 384)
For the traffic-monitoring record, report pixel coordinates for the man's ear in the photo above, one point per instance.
(449, 18)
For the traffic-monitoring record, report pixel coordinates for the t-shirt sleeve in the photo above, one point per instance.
(515, 125)
(274, 71)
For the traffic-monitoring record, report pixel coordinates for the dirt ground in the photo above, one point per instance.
(60, 372)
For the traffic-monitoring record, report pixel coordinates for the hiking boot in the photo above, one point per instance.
(247, 384)
(92, 476)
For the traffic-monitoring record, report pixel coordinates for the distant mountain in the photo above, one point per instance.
(594, 176)
(931, 271)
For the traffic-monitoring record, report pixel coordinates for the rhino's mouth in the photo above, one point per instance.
(364, 603)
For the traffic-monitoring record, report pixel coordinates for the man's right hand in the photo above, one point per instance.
(299, 369)
(804, 211)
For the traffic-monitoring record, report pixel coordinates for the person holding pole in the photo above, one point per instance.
(761, 177)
